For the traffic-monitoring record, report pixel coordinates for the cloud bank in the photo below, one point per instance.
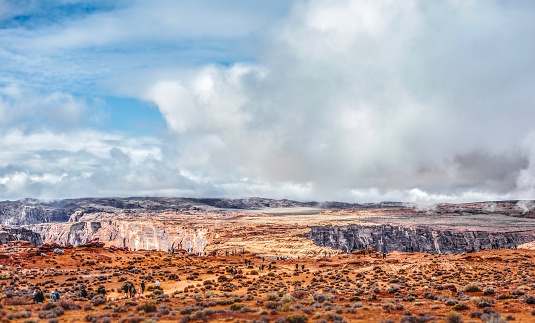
(401, 100)
(351, 100)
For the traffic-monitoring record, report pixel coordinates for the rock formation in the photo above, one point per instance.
(149, 234)
(8, 233)
(388, 238)
(259, 223)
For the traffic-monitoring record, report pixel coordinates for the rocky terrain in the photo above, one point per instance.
(31, 211)
(261, 260)
(485, 286)
(390, 238)
(269, 226)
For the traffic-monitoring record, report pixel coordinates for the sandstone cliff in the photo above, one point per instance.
(421, 239)
(8, 233)
(141, 234)
(30, 211)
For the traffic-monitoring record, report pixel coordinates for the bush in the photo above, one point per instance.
(163, 310)
(59, 311)
(473, 287)
(529, 299)
(460, 307)
(272, 296)
(296, 318)
(18, 300)
(132, 319)
(69, 305)
(147, 307)
(495, 318)
(287, 299)
(23, 314)
(431, 296)
(475, 314)
(272, 305)
(49, 306)
(320, 298)
(453, 317)
(393, 288)
(46, 315)
(237, 306)
(96, 301)
(299, 294)
(488, 291)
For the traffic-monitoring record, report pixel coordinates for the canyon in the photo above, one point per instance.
(261, 260)
(268, 226)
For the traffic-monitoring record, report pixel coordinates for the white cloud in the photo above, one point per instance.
(26, 110)
(408, 100)
(352, 100)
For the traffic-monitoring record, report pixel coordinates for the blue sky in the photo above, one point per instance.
(348, 100)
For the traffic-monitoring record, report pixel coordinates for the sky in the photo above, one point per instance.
(351, 100)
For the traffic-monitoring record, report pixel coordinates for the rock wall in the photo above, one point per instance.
(421, 239)
(143, 234)
(19, 213)
(17, 233)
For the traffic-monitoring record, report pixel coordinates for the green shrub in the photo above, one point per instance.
(147, 307)
(272, 296)
(96, 301)
(237, 306)
(460, 307)
(472, 287)
(287, 299)
(296, 318)
(453, 317)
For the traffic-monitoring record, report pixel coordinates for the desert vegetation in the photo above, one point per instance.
(488, 286)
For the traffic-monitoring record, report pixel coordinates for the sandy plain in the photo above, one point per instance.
(494, 286)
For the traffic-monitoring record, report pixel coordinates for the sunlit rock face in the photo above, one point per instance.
(143, 234)
(198, 225)
(421, 239)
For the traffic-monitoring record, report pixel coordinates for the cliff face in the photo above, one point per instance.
(21, 213)
(142, 234)
(8, 233)
(422, 239)
(31, 211)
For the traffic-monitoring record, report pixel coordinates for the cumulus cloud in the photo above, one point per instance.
(24, 109)
(352, 100)
(408, 100)
(85, 163)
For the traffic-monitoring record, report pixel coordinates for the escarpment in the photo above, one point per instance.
(9, 233)
(388, 238)
(267, 226)
(143, 234)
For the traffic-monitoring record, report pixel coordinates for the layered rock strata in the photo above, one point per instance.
(142, 234)
(8, 233)
(420, 239)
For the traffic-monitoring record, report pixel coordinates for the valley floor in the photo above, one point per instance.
(404, 287)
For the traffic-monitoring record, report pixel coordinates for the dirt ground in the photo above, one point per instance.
(405, 287)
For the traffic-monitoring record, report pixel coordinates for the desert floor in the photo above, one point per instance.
(405, 287)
